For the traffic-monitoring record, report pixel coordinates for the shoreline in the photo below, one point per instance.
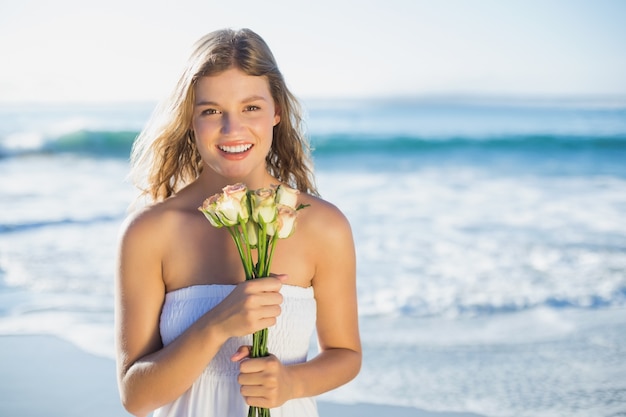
(46, 375)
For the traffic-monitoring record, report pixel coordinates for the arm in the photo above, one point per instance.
(150, 375)
(267, 383)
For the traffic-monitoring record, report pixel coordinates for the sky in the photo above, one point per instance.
(124, 50)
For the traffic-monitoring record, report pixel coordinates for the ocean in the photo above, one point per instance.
(490, 236)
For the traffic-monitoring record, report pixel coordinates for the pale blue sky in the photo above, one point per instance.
(133, 50)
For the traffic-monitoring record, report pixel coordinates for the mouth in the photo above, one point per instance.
(235, 149)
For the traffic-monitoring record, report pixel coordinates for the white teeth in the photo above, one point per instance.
(235, 149)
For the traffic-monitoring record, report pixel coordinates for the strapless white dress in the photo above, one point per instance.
(216, 392)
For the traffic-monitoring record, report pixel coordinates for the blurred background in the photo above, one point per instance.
(477, 147)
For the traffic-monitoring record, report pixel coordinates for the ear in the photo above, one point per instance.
(277, 116)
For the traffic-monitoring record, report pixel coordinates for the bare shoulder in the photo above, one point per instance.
(322, 218)
(330, 244)
(142, 220)
(149, 225)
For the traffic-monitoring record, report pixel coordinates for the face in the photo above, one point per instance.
(233, 119)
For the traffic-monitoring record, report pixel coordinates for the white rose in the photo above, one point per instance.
(263, 206)
(209, 210)
(287, 196)
(285, 223)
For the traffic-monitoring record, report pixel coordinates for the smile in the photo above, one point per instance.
(235, 149)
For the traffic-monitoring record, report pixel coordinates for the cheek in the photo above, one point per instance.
(201, 125)
(205, 131)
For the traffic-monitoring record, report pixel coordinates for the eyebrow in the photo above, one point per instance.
(246, 100)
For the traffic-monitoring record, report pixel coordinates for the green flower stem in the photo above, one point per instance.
(262, 252)
(259, 344)
(258, 412)
(272, 245)
(247, 264)
(264, 334)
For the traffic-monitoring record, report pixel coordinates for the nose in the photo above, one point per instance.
(231, 123)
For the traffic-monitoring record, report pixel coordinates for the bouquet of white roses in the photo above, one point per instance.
(255, 219)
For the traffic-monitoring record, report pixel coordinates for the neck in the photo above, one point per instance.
(212, 183)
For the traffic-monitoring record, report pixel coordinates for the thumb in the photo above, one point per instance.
(242, 353)
(281, 277)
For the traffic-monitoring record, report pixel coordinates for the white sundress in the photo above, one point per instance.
(216, 391)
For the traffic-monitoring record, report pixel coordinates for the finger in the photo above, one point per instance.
(270, 311)
(281, 277)
(241, 353)
(247, 381)
(267, 284)
(253, 366)
(258, 401)
(251, 391)
(269, 300)
(267, 318)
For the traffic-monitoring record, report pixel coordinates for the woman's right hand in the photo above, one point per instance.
(253, 305)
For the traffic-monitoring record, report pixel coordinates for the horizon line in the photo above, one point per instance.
(467, 98)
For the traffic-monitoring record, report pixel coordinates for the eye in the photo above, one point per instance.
(252, 108)
(207, 112)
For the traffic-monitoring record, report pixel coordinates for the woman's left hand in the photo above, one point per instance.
(264, 381)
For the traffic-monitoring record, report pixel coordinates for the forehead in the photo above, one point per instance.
(232, 84)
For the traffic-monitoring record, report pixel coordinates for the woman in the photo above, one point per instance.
(184, 312)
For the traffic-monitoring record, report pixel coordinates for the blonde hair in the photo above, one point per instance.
(164, 157)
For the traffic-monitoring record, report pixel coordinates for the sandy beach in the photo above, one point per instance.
(45, 375)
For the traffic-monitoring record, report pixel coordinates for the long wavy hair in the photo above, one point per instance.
(164, 157)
